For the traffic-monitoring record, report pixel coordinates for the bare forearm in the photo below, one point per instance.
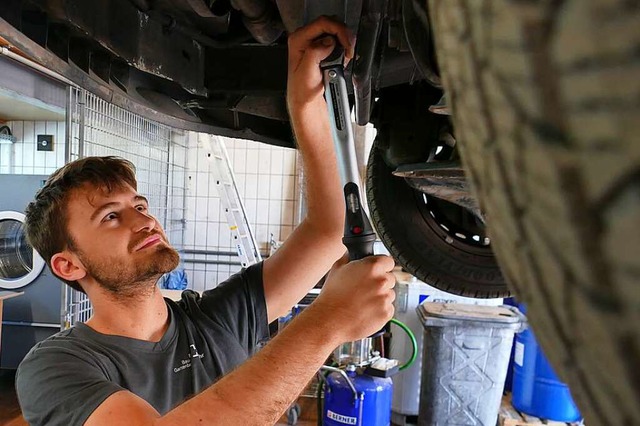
(323, 189)
(260, 391)
(316, 243)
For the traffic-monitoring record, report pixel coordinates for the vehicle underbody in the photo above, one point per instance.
(544, 118)
(220, 66)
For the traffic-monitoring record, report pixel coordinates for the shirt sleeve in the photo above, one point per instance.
(60, 385)
(239, 305)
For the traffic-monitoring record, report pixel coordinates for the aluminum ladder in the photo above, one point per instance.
(243, 237)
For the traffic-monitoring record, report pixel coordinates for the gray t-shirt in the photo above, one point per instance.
(65, 378)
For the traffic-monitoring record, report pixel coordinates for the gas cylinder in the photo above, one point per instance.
(357, 399)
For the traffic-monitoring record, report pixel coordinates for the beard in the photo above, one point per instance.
(135, 278)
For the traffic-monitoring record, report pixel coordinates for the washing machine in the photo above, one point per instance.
(35, 315)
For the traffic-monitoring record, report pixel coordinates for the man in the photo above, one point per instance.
(139, 357)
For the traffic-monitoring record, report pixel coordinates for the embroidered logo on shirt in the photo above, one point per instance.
(186, 363)
(194, 352)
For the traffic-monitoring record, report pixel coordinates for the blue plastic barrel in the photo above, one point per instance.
(537, 391)
(508, 381)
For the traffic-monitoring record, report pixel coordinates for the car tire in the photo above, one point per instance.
(544, 97)
(419, 240)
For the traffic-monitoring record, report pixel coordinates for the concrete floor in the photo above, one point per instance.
(10, 414)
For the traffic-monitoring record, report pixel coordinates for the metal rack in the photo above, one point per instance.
(97, 127)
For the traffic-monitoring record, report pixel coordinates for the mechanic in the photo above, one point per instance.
(142, 359)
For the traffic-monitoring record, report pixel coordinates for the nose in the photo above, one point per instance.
(143, 221)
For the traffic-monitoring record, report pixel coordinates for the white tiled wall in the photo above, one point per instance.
(266, 179)
(22, 157)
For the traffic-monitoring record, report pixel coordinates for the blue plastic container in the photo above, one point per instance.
(537, 391)
(508, 382)
(372, 407)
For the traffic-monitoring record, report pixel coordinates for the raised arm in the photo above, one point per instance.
(260, 390)
(316, 243)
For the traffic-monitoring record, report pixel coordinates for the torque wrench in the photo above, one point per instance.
(358, 232)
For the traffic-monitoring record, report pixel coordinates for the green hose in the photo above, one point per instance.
(414, 344)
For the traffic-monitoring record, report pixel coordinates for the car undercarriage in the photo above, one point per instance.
(220, 67)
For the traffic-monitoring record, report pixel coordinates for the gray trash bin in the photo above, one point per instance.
(465, 359)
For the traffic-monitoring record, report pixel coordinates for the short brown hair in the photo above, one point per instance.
(46, 216)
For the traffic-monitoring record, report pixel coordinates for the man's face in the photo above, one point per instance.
(118, 242)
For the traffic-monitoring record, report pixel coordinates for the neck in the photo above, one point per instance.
(145, 317)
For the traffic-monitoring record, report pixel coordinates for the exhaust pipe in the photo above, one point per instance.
(261, 19)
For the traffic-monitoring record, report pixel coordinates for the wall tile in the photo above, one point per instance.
(23, 155)
(252, 160)
(264, 186)
(276, 162)
(275, 187)
(275, 211)
(264, 158)
(264, 175)
(239, 160)
(251, 186)
(263, 212)
(287, 213)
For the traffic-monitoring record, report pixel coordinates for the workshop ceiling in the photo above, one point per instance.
(26, 94)
(14, 106)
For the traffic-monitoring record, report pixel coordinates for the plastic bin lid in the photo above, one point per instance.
(458, 311)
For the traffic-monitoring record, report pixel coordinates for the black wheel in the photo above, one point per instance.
(544, 97)
(440, 243)
(293, 414)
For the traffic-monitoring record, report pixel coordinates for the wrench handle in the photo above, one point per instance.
(359, 236)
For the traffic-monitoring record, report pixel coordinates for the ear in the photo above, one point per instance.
(67, 266)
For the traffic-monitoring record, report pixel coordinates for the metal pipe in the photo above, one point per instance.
(68, 122)
(35, 66)
(82, 103)
(168, 21)
(343, 374)
(368, 34)
(31, 324)
(252, 9)
(212, 262)
(259, 18)
(210, 252)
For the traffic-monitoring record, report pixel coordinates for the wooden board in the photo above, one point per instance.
(509, 416)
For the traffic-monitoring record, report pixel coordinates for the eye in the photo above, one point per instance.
(141, 208)
(110, 216)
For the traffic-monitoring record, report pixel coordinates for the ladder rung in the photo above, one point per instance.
(232, 204)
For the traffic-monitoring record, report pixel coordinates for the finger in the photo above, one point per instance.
(391, 280)
(383, 263)
(383, 284)
(341, 262)
(387, 282)
(350, 51)
(318, 51)
(325, 25)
